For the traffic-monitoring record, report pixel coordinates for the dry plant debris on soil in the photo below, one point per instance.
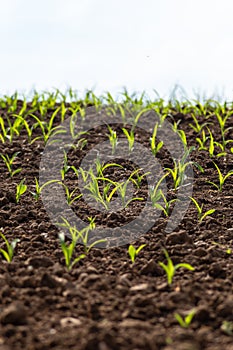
(161, 291)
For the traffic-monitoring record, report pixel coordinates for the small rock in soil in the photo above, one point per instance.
(70, 321)
(151, 268)
(139, 287)
(132, 323)
(14, 314)
(226, 308)
(178, 238)
(90, 280)
(3, 201)
(124, 280)
(91, 269)
(38, 261)
(186, 345)
(200, 252)
(29, 282)
(217, 271)
(11, 197)
(202, 314)
(48, 281)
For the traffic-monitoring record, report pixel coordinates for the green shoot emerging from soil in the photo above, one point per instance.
(9, 162)
(167, 204)
(122, 190)
(178, 172)
(221, 178)
(47, 129)
(7, 132)
(155, 192)
(201, 215)
(70, 195)
(228, 250)
(139, 178)
(133, 252)
(105, 197)
(227, 327)
(155, 147)
(65, 167)
(21, 188)
(170, 268)
(100, 167)
(130, 137)
(112, 139)
(69, 249)
(9, 253)
(186, 321)
(38, 188)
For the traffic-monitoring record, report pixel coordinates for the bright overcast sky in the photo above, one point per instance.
(106, 45)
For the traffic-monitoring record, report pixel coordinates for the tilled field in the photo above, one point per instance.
(106, 302)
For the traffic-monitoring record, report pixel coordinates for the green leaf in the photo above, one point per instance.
(140, 248)
(209, 212)
(230, 173)
(199, 209)
(187, 320)
(16, 171)
(132, 252)
(76, 260)
(189, 317)
(5, 254)
(227, 327)
(95, 243)
(169, 268)
(180, 320)
(186, 266)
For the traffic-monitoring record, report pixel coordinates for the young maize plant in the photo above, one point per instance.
(138, 181)
(21, 188)
(197, 127)
(105, 197)
(11, 102)
(186, 321)
(74, 121)
(170, 268)
(221, 179)
(100, 167)
(155, 192)
(167, 204)
(121, 188)
(76, 235)
(7, 132)
(178, 172)
(9, 252)
(155, 147)
(38, 188)
(130, 137)
(47, 129)
(201, 215)
(222, 123)
(9, 162)
(113, 139)
(65, 167)
(133, 252)
(27, 127)
(68, 249)
(202, 141)
(70, 195)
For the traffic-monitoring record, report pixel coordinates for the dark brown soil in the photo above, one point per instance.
(105, 302)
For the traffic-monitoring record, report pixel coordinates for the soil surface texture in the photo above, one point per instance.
(106, 302)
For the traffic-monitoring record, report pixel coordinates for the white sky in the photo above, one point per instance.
(108, 45)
